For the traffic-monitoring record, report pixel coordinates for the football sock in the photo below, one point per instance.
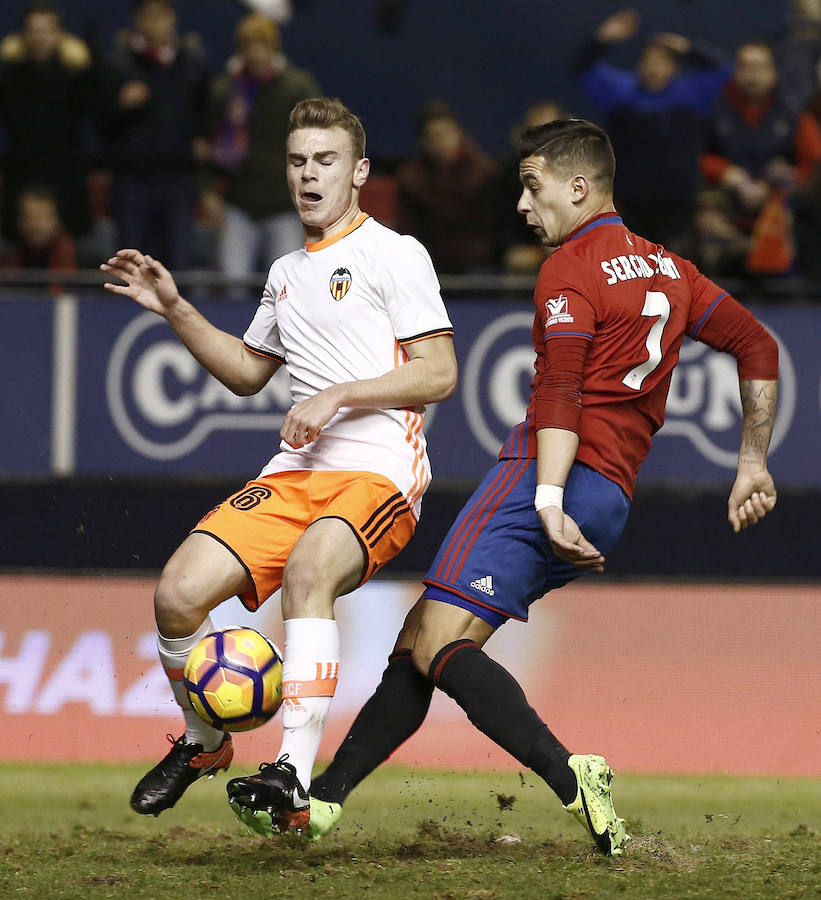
(394, 712)
(173, 655)
(496, 704)
(309, 674)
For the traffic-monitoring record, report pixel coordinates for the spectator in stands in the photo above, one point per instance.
(46, 93)
(279, 11)
(522, 252)
(798, 52)
(446, 194)
(655, 116)
(43, 242)
(759, 149)
(806, 203)
(155, 125)
(251, 103)
(722, 246)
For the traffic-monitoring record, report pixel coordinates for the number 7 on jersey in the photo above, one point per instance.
(655, 304)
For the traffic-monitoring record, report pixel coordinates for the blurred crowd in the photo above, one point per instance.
(146, 146)
(719, 156)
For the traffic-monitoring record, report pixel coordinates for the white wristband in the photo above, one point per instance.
(548, 495)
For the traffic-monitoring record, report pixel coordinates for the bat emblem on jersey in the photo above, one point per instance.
(556, 309)
(558, 305)
(340, 282)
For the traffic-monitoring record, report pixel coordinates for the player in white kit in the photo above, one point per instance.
(357, 319)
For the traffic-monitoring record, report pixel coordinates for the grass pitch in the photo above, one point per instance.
(68, 832)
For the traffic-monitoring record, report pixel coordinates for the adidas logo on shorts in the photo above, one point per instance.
(484, 584)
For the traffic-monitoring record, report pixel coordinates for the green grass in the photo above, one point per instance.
(67, 832)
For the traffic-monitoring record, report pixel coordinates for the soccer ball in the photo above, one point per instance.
(233, 678)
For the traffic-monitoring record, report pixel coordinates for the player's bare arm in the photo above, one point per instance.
(557, 450)
(429, 376)
(731, 328)
(150, 284)
(753, 494)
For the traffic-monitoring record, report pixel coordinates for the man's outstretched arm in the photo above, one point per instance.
(753, 494)
(150, 284)
(733, 329)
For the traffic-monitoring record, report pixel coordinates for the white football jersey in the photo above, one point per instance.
(340, 310)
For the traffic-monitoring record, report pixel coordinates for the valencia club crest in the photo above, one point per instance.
(340, 282)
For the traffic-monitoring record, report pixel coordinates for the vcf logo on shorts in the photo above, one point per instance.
(340, 282)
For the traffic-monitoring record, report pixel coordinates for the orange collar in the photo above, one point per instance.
(326, 242)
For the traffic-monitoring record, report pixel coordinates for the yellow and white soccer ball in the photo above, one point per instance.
(233, 678)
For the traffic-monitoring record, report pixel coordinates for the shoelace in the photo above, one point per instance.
(180, 741)
(279, 764)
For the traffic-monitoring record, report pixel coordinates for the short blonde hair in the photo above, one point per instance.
(257, 27)
(328, 112)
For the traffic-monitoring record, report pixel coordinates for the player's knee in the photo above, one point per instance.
(303, 591)
(422, 655)
(178, 608)
(300, 576)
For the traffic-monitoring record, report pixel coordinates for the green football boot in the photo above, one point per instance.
(593, 806)
(323, 817)
(273, 802)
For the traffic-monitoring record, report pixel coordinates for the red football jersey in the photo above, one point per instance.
(633, 302)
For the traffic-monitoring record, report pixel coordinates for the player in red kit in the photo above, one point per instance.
(612, 310)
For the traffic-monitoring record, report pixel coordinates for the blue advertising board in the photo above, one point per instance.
(143, 406)
(26, 370)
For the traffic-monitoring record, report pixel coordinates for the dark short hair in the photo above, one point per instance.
(566, 144)
(328, 112)
(430, 111)
(137, 5)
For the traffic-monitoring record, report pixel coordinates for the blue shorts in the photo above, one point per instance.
(496, 559)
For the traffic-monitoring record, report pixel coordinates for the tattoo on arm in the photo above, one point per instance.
(758, 403)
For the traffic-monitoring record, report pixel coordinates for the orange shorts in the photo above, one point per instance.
(261, 523)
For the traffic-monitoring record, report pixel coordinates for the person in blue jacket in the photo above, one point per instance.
(655, 115)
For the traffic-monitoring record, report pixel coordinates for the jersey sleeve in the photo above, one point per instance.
(720, 321)
(262, 335)
(705, 296)
(565, 323)
(410, 291)
(734, 329)
(564, 302)
(559, 391)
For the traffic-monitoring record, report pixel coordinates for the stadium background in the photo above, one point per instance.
(459, 51)
(701, 646)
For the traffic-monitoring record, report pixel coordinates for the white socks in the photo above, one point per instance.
(173, 654)
(309, 676)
